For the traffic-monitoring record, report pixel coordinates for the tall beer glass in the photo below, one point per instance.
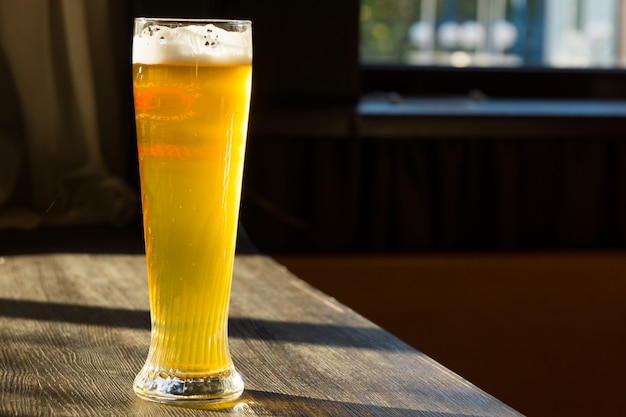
(192, 82)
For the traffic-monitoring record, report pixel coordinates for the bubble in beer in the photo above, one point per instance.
(194, 43)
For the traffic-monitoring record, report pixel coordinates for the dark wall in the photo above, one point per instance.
(400, 195)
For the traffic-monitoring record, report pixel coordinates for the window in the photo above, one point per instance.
(496, 33)
(521, 48)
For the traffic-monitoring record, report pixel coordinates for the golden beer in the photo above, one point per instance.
(191, 120)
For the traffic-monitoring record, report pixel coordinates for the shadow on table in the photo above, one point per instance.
(249, 328)
(261, 403)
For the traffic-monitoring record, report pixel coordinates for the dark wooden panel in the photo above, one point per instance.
(542, 331)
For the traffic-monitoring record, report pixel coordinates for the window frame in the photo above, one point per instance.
(518, 82)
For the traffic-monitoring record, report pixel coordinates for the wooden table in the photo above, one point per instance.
(74, 330)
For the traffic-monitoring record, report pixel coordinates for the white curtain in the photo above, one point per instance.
(63, 140)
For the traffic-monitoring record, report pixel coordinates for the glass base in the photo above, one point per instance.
(170, 388)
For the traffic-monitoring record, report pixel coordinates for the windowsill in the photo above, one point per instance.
(487, 107)
(394, 117)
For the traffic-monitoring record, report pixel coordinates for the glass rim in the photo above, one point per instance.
(193, 20)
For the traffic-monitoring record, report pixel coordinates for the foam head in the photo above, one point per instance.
(157, 42)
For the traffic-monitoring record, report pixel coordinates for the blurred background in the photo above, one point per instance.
(453, 170)
(556, 33)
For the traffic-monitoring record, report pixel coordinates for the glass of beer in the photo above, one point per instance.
(191, 84)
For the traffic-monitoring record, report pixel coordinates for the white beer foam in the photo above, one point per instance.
(158, 44)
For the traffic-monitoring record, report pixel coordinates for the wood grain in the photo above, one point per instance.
(75, 330)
